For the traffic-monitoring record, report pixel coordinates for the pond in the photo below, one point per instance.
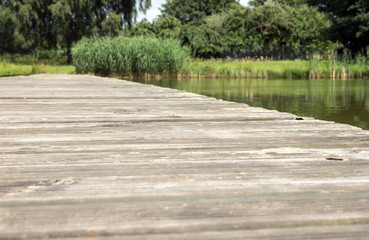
(343, 101)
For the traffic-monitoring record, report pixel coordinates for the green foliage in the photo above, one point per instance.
(194, 12)
(49, 24)
(270, 25)
(260, 31)
(312, 69)
(276, 24)
(41, 56)
(203, 41)
(143, 28)
(291, 2)
(350, 21)
(167, 27)
(164, 27)
(125, 56)
(11, 69)
(25, 24)
(257, 3)
(210, 28)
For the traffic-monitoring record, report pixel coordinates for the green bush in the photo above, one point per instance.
(129, 56)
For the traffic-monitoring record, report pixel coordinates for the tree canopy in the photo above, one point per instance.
(350, 19)
(188, 11)
(210, 28)
(48, 24)
(235, 30)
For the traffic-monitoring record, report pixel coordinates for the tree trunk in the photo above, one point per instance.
(69, 54)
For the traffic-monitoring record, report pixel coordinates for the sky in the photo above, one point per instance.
(154, 11)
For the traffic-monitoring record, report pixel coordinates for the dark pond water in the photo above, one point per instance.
(344, 101)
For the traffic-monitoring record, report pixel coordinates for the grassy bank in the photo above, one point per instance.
(222, 69)
(155, 58)
(11, 69)
(308, 69)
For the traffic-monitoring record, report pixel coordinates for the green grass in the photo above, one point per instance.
(11, 69)
(298, 69)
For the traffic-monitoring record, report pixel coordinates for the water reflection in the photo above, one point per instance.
(344, 101)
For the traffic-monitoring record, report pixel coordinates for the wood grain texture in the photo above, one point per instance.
(90, 157)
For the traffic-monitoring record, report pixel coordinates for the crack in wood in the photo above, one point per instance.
(41, 185)
(334, 159)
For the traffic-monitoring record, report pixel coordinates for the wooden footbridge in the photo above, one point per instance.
(90, 157)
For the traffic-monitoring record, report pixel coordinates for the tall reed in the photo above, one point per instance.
(129, 56)
(298, 69)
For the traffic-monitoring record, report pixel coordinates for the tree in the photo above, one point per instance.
(163, 27)
(71, 20)
(257, 3)
(25, 24)
(269, 26)
(167, 26)
(49, 23)
(291, 2)
(203, 41)
(188, 11)
(75, 19)
(350, 21)
(143, 28)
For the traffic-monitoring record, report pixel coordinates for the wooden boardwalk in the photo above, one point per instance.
(84, 156)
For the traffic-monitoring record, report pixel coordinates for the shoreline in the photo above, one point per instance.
(214, 69)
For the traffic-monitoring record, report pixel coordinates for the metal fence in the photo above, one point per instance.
(272, 52)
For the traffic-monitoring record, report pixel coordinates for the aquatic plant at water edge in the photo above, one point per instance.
(298, 69)
(129, 56)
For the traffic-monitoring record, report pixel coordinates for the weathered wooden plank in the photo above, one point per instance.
(84, 156)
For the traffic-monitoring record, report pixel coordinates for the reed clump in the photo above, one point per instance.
(293, 69)
(133, 57)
